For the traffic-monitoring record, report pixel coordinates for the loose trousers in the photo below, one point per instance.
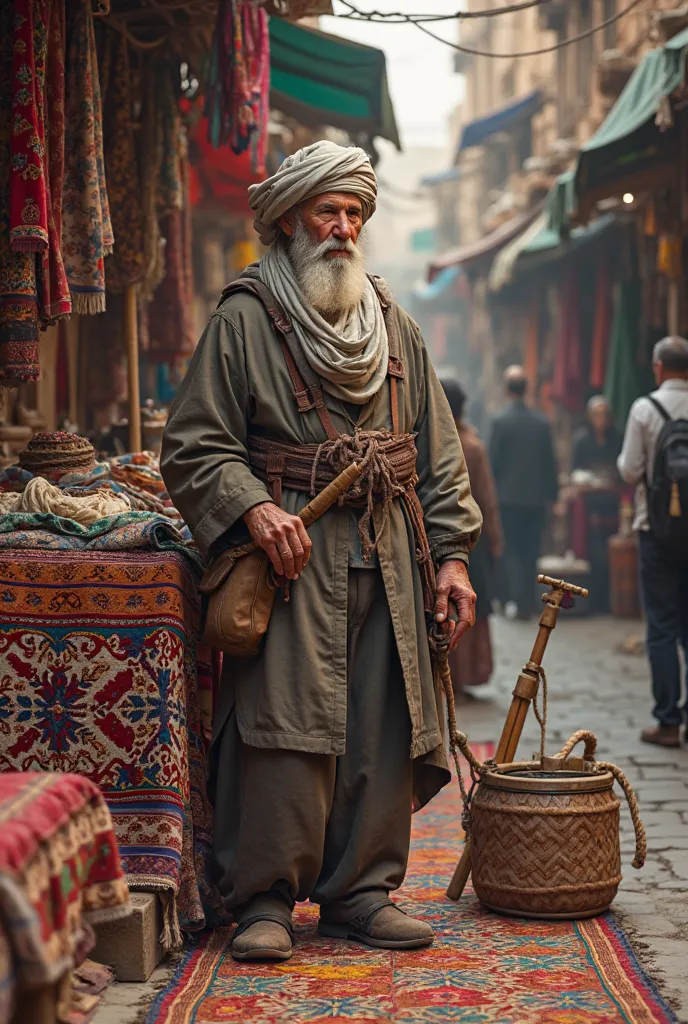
(664, 591)
(523, 526)
(335, 830)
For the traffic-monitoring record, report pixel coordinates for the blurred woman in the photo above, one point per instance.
(471, 662)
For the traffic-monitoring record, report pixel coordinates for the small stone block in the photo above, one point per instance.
(131, 946)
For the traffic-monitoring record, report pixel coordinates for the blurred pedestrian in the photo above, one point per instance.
(596, 448)
(525, 472)
(655, 457)
(471, 661)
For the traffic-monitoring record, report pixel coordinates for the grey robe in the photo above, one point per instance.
(294, 694)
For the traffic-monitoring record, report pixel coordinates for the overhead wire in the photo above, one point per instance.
(559, 45)
(400, 18)
(420, 20)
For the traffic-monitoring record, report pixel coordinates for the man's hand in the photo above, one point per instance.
(283, 538)
(454, 585)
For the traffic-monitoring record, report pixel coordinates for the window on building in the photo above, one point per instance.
(609, 33)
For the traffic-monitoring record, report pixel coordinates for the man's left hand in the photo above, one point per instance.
(454, 585)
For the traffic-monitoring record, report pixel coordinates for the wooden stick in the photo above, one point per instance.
(132, 337)
(524, 694)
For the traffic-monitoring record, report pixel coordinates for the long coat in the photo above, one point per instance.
(294, 694)
(522, 457)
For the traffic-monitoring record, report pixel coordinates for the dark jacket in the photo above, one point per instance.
(522, 457)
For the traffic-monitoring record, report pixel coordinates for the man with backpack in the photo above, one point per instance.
(655, 457)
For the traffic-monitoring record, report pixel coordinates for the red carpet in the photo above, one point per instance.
(482, 969)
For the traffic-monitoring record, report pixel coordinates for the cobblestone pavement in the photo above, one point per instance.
(592, 686)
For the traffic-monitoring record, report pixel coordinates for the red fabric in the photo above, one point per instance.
(567, 383)
(578, 527)
(28, 194)
(218, 177)
(601, 330)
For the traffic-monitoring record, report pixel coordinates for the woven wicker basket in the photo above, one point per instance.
(546, 844)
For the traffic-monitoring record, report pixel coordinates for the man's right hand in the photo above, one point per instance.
(283, 538)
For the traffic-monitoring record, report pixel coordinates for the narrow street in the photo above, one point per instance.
(592, 685)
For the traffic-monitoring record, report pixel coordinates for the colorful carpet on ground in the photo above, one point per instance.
(99, 675)
(482, 969)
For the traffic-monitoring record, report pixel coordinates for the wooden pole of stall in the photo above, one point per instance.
(132, 337)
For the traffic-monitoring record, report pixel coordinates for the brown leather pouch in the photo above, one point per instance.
(240, 586)
(242, 593)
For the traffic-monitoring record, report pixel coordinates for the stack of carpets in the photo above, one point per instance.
(99, 673)
(60, 873)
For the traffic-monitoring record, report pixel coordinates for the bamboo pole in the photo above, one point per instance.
(132, 337)
(524, 694)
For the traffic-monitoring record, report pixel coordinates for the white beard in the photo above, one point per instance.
(332, 285)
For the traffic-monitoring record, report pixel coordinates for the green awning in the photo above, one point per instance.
(630, 141)
(322, 79)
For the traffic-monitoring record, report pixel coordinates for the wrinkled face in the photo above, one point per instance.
(323, 245)
(336, 215)
(598, 415)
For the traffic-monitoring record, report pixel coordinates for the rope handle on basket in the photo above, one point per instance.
(589, 755)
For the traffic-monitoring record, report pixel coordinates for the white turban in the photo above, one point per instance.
(322, 167)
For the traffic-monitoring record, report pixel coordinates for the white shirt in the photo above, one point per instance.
(640, 440)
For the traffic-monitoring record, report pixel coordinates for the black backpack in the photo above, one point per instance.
(667, 495)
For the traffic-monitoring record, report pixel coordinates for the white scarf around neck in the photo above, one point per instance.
(351, 354)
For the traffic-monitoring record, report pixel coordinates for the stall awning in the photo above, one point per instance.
(629, 141)
(484, 247)
(476, 132)
(322, 79)
(439, 286)
(541, 245)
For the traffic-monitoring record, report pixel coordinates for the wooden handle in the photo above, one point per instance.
(329, 495)
(562, 585)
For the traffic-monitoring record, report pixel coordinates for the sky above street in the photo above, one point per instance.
(422, 81)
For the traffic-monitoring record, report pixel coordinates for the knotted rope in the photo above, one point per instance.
(387, 461)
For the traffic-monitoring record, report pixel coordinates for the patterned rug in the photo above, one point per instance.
(98, 676)
(482, 969)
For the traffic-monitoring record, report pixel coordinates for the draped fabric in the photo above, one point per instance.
(55, 300)
(87, 230)
(126, 264)
(18, 286)
(601, 329)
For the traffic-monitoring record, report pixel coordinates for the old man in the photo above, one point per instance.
(325, 741)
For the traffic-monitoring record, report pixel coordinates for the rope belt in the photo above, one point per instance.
(389, 472)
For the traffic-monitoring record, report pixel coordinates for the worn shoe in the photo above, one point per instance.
(262, 939)
(384, 926)
(662, 736)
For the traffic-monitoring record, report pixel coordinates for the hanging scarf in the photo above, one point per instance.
(28, 198)
(239, 80)
(87, 230)
(351, 355)
(18, 301)
(55, 300)
(126, 264)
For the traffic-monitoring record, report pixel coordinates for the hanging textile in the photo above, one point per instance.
(28, 200)
(623, 383)
(567, 381)
(601, 328)
(126, 264)
(151, 138)
(531, 362)
(87, 231)
(167, 320)
(54, 297)
(237, 92)
(18, 298)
